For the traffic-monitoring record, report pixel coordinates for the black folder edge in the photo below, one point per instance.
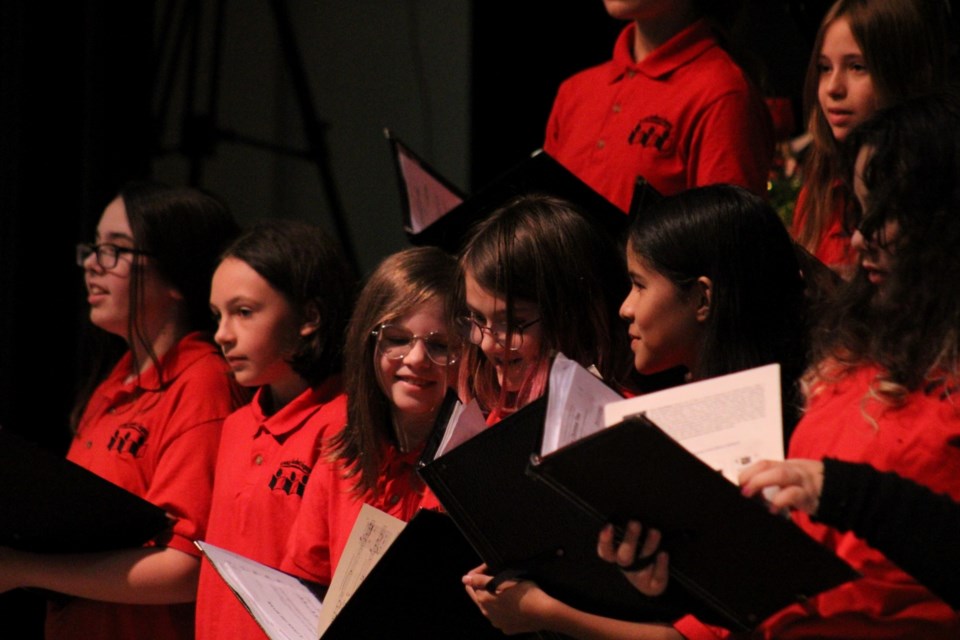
(416, 587)
(52, 505)
(430, 447)
(644, 195)
(397, 148)
(561, 557)
(560, 468)
(538, 173)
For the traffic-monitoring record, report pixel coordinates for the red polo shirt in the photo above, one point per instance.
(331, 507)
(833, 247)
(264, 467)
(685, 116)
(158, 441)
(920, 441)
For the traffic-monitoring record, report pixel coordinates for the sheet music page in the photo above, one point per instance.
(575, 403)
(283, 607)
(466, 421)
(371, 536)
(729, 422)
(428, 198)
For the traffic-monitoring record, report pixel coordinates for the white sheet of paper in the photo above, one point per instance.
(283, 607)
(574, 405)
(466, 421)
(428, 198)
(729, 422)
(371, 536)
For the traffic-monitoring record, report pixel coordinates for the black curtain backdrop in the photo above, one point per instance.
(74, 81)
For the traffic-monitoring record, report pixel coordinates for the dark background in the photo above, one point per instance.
(76, 122)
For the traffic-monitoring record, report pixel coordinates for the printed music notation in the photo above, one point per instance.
(372, 534)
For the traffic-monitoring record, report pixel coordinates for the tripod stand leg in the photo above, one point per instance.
(313, 127)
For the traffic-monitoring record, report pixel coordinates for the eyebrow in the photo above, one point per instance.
(501, 317)
(243, 300)
(113, 236)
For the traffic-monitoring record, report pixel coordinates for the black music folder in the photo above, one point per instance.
(52, 505)
(413, 590)
(517, 523)
(726, 550)
(532, 492)
(644, 195)
(437, 213)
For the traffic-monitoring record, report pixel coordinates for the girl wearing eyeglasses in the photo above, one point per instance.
(537, 277)
(399, 357)
(281, 299)
(716, 287)
(149, 420)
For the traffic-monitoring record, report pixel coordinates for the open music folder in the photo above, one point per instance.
(392, 576)
(437, 213)
(519, 524)
(532, 493)
(52, 505)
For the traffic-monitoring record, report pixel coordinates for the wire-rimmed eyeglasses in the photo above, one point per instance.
(394, 342)
(472, 330)
(108, 255)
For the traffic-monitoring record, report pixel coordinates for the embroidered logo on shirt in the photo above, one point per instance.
(652, 131)
(291, 477)
(129, 438)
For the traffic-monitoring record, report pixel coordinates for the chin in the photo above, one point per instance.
(512, 386)
(108, 324)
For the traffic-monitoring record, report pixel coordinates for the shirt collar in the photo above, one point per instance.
(686, 45)
(188, 350)
(296, 412)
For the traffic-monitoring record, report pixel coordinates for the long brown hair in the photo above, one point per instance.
(904, 47)
(183, 229)
(541, 249)
(401, 283)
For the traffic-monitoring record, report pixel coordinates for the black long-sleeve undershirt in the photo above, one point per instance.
(916, 528)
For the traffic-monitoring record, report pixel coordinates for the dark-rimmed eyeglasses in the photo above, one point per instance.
(471, 329)
(395, 343)
(108, 255)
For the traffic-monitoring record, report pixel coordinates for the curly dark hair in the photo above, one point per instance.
(911, 177)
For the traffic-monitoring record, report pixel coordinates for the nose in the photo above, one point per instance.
(417, 354)
(91, 264)
(489, 344)
(626, 309)
(223, 336)
(857, 241)
(861, 243)
(836, 84)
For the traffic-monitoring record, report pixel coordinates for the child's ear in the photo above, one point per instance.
(704, 291)
(311, 322)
